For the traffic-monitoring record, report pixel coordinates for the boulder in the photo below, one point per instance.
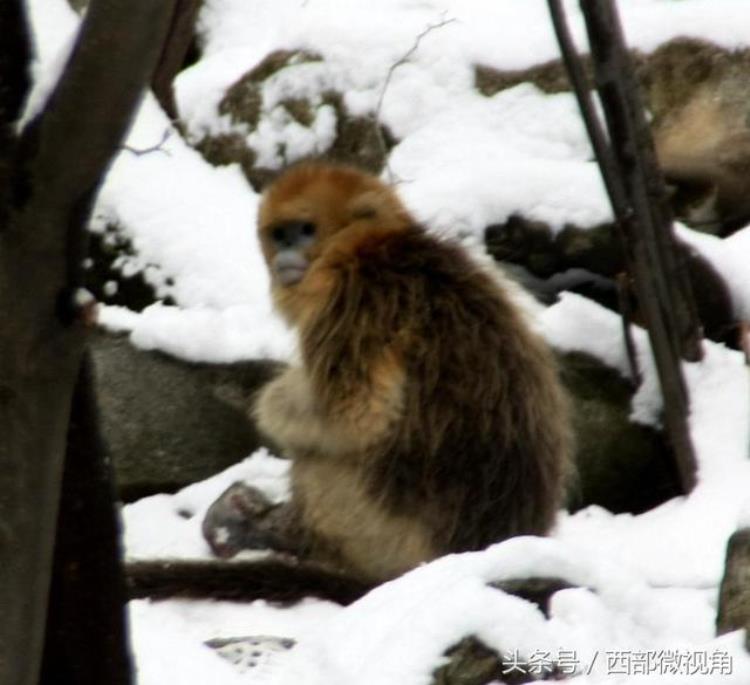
(555, 261)
(169, 423)
(622, 466)
(472, 662)
(734, 594)
(250, 104)
(698, 95)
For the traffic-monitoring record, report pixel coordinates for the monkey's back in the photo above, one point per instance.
(481, 452)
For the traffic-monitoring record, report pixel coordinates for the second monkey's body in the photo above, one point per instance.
(426, 417)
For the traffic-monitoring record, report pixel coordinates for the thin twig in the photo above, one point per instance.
(154, 148)
(594, 128)
(398, 63)
(607, 166)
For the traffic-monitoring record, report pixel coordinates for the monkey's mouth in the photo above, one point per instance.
(290, 267)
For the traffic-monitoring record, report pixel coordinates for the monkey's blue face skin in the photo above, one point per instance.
(291, 240)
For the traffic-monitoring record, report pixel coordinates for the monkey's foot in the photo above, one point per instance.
(243, 518)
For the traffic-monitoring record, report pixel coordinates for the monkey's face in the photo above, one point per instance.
(311, 204)
(291, 244)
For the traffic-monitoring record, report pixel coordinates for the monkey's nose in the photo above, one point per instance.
(289, 266)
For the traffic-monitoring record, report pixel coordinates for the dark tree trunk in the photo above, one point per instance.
(52, 180)
(86, 638)
(172, 58)
(15, 55)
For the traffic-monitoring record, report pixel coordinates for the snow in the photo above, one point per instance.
(205, 334)
(647, 582)
(389, 635)
(719, 388)
(729, 258)
(529, 142)
(54, 26)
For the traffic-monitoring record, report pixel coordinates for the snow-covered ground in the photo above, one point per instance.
(464, 161)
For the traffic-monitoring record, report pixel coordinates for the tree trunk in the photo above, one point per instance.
(51, 182)
(176, 46)
(86, 639)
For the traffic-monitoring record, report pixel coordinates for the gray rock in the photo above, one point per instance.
(471, 662)
(538, 590)
(622, 466)
(704, 157)
(256, 653)
(734, 595)
(169, 423)
(552, 262)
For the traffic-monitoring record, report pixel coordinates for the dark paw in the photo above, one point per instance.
(243, 518)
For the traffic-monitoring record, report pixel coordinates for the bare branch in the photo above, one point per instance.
(386, 83)
(154, 148)
(637, 194)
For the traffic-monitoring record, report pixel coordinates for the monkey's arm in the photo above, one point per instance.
(332, 420)
(285, 410)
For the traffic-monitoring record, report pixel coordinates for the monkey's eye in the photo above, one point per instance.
(289, 234)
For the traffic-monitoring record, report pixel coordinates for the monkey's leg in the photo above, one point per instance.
(243, 518)
(351, 529)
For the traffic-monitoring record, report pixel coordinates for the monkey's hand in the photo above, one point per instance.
(244, 518)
